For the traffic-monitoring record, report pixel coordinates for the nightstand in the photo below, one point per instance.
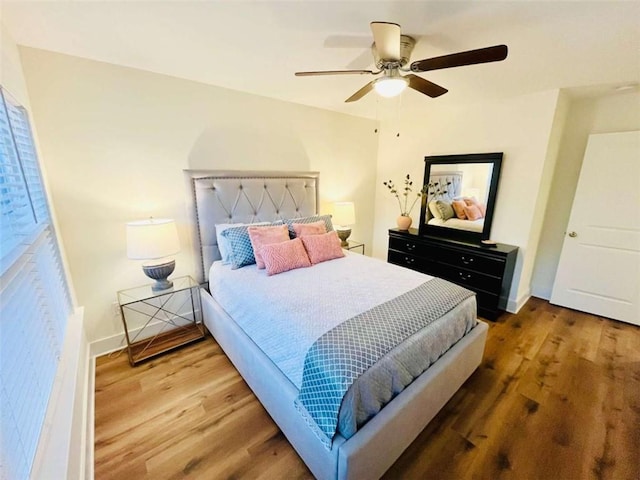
(353, 245)
(156, 322)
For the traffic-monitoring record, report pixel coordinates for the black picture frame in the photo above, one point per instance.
(495, 159)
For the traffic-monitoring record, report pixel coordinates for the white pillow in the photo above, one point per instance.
(223, 243)
(433, 208)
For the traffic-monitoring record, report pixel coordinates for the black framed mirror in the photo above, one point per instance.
(460, 195)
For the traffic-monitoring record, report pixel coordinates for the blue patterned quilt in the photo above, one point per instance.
(344, 353)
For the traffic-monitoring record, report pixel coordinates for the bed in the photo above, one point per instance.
(246, 197)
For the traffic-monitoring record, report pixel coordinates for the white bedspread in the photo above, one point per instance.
(327, 294)
(471, 225)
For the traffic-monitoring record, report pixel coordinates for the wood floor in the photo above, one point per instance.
(556, 397)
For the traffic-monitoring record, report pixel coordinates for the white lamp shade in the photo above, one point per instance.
(153, 238)
(390, 86)
(344, 213)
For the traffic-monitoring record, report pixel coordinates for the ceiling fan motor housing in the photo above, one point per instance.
(406, 47)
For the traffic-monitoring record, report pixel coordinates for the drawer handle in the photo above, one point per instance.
(466, 260)
(411, 246)
(464, 276)
(409, 260)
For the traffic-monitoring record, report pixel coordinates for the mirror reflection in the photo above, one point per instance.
(458, 194)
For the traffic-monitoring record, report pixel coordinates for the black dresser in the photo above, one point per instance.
(486, 271)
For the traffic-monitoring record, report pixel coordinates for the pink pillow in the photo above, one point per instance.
(314, 228)
(261, 236)
(284, 256)
(458, 207)
(321, 248)
(472, 212)
(474, 201)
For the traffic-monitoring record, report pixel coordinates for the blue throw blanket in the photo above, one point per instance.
(345, 352)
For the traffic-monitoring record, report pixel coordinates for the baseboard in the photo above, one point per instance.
(514, 306)
(88, 467)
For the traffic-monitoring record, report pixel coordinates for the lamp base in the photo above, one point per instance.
(343, 235)
(159, 273)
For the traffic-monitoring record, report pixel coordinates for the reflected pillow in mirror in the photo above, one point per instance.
(472, 212)
(458, 207)
(445, 209)
(433, 208)
(474, 201)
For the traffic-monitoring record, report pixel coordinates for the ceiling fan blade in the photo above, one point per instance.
(425, 86)
(334, 72)
(361, 93)
(386, 36)
(471, 57)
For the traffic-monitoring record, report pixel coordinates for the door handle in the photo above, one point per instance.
(573, 234)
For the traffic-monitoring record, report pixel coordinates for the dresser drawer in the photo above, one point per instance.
(409, 261)
(472, 279)
(471, 261)
(402, 245)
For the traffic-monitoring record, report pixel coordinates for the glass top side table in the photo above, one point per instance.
(354, 245)
(156, 322)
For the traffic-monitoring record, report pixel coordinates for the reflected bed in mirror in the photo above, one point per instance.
(460, 195)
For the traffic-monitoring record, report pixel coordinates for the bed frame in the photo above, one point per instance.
(230, 197)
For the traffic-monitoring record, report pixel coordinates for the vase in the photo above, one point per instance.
(404, 222)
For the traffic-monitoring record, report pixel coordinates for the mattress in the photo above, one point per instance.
(285, 314)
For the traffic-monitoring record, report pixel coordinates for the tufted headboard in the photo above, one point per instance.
(217, 196)
(452, 191)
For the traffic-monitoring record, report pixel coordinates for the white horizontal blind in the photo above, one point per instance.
(34, 297)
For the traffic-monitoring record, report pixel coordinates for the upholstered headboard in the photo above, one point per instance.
(218, 196)
(452, 191)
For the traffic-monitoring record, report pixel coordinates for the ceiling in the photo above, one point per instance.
(257, 46)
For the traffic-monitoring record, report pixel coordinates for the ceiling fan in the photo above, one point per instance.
(391, 52)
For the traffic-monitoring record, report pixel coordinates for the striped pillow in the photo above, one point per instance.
(285, 256)
(321, 248)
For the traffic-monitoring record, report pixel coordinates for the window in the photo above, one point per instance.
(35, 301)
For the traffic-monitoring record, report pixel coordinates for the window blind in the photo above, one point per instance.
(35, 301)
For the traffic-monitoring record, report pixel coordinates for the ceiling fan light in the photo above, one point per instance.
(390, 86)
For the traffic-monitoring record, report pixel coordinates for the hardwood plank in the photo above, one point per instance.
(556, 397)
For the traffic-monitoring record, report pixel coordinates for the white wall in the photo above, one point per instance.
(116, 140)
(615, 112)
(520, 127)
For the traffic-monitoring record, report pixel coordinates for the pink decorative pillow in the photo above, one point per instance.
(285, 256)
(261, 236)
(321, 248)
(314, 228)
(472, 212)
(474, 201)
(458, 207)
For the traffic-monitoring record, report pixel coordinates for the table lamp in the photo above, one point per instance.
(154, 240)
(344, 215)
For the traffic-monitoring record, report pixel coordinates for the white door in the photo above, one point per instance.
(599, 268)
